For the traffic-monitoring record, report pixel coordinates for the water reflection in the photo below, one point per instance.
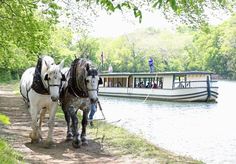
(205, 131)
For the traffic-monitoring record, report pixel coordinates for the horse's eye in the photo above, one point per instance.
(87, 81)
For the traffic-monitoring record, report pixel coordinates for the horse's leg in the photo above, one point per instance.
(52, 112)
(42, 115)
(66, 111)
(84, 125)
(76, 140)
(34, 135)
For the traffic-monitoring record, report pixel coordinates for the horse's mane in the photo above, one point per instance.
(78, 73)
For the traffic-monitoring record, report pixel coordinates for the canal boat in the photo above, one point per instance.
(169, 86)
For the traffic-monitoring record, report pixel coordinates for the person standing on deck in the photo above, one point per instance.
(110, 69)
(151, 64)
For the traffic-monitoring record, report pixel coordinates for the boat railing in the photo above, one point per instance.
(194, 84)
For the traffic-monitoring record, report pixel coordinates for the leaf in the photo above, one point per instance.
(160, 2)
(173, 4)
(4, 119)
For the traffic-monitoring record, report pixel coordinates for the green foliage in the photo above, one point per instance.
(4, 119)
(111, 6)
(8, 155)
(214, 49)
(21, 26)
(191, 12)
(28, 30)
(87, 48)
(208, 49)
(24, 33)
(130, 53)
(60, 44)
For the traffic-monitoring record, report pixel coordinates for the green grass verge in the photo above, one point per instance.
(8, 155)
(4, 119)
(121, 142)
(126, 143)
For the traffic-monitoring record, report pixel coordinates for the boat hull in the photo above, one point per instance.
(200, 94)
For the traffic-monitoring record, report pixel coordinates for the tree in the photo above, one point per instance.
(192, 12)
(214, 49)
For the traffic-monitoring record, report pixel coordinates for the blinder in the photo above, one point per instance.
(100, 81)
(46, 77)
(63, 77)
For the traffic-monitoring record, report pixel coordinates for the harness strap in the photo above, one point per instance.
(73, 88)
(38, 85)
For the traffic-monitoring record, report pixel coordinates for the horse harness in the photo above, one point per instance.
(38, 85)
(73, 88)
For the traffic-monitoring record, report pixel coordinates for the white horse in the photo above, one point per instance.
(40, 88)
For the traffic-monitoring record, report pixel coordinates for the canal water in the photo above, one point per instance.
(204, 131)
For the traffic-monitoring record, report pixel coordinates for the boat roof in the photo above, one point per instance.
(124, 74)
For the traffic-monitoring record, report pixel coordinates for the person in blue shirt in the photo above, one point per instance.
(93, 109)
(151, 64)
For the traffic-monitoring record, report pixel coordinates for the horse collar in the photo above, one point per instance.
(72, 84)
(38, 85)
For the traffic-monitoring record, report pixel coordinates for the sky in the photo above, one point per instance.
(117, 23)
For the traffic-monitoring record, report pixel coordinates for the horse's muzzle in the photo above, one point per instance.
(54, 99)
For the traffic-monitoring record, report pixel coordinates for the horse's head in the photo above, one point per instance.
(47, 61)
(53, 78)
(92, 81)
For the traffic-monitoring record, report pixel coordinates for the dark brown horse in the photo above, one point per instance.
(79, 91)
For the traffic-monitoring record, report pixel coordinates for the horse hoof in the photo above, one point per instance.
(48, 144)
(76, 144)
(69, 137)
(34, 141)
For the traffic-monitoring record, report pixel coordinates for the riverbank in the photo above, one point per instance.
(107, 143)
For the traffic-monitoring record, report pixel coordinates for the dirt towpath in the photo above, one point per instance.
(17, 135)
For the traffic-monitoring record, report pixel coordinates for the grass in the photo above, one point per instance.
(126, 143)
(4, 119)
(8, 155)
(121, 143)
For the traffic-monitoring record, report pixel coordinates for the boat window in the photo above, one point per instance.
(148, 82)
(180, 81)
(110, 82)
(115, 82)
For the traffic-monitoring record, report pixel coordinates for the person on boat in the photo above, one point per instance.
(151, 64)
(93, 109)
(149, 85)
(110, 69)
(154, 85)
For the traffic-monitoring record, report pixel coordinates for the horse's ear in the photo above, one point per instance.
(61, 65)
(46, 77)
(87, 66)
(47, 65)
